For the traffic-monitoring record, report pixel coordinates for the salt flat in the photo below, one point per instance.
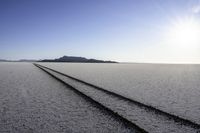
(32, 101)
(147, 118)
(172, 88)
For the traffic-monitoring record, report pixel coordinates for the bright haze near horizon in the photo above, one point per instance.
(152, 31)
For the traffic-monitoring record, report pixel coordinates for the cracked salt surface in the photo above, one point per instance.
(146, 118)
(32, 101)
(172, 88)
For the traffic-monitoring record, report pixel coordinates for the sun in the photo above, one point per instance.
(184, 35)
(186, 32)
(182, 40)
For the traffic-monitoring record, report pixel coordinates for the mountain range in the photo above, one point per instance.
(76, 59)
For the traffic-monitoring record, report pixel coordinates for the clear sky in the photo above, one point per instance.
(122, 30)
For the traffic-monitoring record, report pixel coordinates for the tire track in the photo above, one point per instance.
(96, 103)
(147, 117)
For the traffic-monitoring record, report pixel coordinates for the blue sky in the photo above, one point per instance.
(121, 30)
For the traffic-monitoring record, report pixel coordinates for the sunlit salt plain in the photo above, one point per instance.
(172, 88)
(32, 101)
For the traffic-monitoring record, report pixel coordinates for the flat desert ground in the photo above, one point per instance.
(104, 98)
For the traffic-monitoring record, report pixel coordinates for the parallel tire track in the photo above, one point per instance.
(96, 103)
(176, 119)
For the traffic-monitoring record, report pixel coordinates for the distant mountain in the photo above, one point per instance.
(27, 60)
(76, 59)
(1, 60)
(22, 60)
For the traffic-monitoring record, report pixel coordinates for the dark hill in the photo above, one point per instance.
(1, 60)
(76, 59)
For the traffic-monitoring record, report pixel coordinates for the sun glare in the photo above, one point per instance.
(184, 36)
(186, 32)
